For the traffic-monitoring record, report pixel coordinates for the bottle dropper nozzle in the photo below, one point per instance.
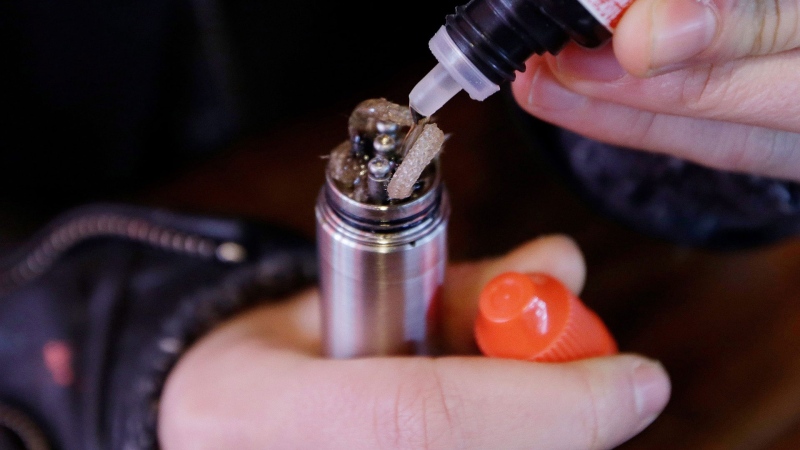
(453, 73)
(433, 91)
(486, 42)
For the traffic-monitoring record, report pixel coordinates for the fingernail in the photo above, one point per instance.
(593, 65)
(681, 29)
(652, 389)
(548, 94)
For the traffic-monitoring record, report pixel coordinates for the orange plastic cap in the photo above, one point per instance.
(535, 317)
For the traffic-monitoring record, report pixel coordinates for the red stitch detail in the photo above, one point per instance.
(57, 357)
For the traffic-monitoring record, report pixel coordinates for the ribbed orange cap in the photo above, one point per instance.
(535, 317)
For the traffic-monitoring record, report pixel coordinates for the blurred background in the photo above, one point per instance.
(226, 107)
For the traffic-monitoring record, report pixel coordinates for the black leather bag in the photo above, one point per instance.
(97, 307)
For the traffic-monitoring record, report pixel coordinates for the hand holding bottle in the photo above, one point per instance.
(712, 81)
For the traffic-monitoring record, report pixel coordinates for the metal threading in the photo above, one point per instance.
(384, 218)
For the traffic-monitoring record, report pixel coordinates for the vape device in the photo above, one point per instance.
(382, 261)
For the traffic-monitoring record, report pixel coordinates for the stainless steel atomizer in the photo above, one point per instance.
(382, 261)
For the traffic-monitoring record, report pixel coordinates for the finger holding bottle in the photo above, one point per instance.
(658, 36)
(739, 117)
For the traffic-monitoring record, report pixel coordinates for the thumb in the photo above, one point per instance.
(596, 403)
(257, 396)
(657, 36)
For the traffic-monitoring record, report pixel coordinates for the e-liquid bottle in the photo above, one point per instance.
(485, 42)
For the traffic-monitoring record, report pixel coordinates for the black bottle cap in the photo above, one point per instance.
(497, 36)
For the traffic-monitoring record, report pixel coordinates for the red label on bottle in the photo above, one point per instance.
(607, 12)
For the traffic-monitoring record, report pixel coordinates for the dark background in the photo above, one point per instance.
(226, 107)
(102, 97)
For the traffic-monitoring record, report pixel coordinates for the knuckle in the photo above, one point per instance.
(763, 151)
(704, 89)
(738, 152)
(641, 128)
(607, 413)
(761, 25)
(749, 152)
(415, 414)
(589, 413)
(773, 27)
